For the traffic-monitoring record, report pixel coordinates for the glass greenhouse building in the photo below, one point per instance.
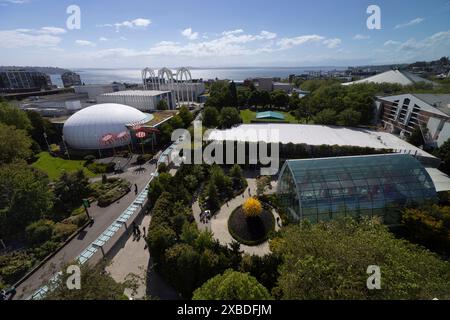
(375, 185)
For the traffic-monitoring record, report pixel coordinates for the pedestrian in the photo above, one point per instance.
(143, 228)
(134, 229)
(135, 189)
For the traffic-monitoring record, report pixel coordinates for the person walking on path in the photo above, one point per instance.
(135, 189)
(143, 228)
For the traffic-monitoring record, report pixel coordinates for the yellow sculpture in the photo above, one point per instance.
(252, 208)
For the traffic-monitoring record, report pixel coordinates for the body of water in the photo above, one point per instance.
(101, 76)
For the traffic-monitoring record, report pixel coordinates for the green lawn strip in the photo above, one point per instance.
(55, 166)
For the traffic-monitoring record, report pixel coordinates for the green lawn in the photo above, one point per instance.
(55, 166)
(247, 116)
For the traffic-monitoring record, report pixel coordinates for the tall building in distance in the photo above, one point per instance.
(71, 79)
(19, 80)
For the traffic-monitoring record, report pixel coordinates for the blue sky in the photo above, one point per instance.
(219, 33)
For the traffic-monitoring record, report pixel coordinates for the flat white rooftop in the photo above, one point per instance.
(316, 135)
(141, 93)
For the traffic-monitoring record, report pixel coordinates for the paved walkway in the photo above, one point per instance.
(103, 218)
(131, 255)
(219, 223)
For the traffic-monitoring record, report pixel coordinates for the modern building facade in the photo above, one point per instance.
(70, 79)
(16, 80)
(94, 90)
(402, 114)
(361, 186)
(144, 100)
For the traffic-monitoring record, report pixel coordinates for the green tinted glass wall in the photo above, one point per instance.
(378, 185)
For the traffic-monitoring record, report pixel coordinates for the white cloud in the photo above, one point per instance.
(237, 31)
(391, 43)
(268, 35)
(103, 39)
(411, 23)
(20, 38)
(85, 43)
(361, 37)
(332, 43)
(139, 23)
(228, 44)
(287, 43)
(6, 2)
(188, 33)
(52, 30)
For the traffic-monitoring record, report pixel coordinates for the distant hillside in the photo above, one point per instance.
(47, 70)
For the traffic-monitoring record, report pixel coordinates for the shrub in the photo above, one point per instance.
(252, 208)
(40, 231)
(62, 231)
(89, 159)
(232, 285)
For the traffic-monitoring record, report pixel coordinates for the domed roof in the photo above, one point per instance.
(85, 129)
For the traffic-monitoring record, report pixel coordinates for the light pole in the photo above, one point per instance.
(65, 146)
(45, 138)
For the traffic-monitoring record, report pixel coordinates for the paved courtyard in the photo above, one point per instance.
(219, 223)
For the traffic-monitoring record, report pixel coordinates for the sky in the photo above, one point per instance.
(221, 33)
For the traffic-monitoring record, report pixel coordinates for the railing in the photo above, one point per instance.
(87, 253)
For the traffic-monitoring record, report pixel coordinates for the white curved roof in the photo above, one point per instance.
(85, 129)
(391, 76)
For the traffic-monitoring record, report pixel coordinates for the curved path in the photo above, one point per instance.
(219, 223)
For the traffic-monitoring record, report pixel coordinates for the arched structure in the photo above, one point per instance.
(145, 79)
(375, 185)
(184, 87)
(180, 83)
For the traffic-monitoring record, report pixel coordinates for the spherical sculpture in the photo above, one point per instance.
(87, 129)
(252, 208)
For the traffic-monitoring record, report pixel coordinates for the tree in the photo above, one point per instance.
(330, 260)
(235, 254)
(233, 95)
(265, 99)
(221, 181)
(186, 116)
(162, 168)
(13, 116)
(252, 208)
(416, 137)
(96, 284)
(159, 240)
(229, 117)
(429, 226)
(41, 126)
(213, 197)
(162, 105)
(71, 189)
(349, 118)
(15, 144)
(166, 133)
(39, 231)
(326, 117)
(26, 197)
(232, 285)
(444, 154)
(210, 117)
(177, 122)
(182, 257)
(237, 177)
(279, 98)
(261, 184)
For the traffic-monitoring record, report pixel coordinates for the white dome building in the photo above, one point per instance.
(102, 126)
